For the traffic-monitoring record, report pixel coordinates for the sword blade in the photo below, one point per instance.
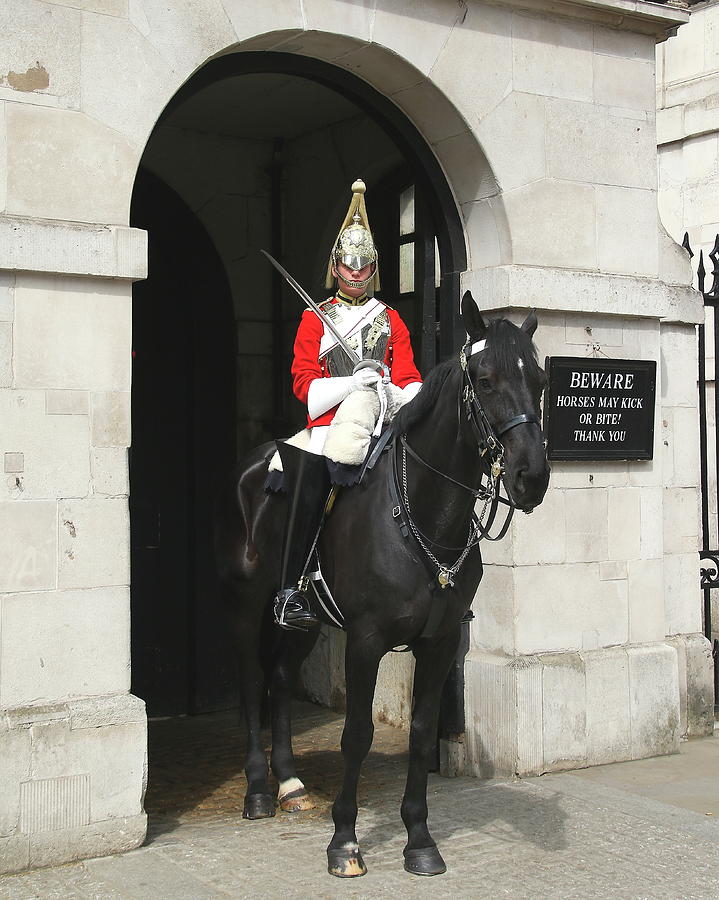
(297, 287)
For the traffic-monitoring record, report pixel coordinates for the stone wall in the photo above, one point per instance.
(542, 118)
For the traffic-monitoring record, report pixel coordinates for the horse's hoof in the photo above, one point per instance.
(259, 806)
(427, 861)
(296, 801)
(346, 862)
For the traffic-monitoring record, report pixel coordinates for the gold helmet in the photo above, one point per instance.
(354, 245)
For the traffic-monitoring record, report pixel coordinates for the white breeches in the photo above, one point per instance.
(318, 436)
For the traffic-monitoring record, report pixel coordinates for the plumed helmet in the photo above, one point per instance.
(354, 245)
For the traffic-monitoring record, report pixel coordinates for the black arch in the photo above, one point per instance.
(425, 169)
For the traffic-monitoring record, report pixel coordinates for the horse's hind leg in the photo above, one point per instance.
(361, 663)
(259, 802)
(292, 794)
(421, 856)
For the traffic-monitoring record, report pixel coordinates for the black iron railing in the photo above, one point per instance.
(709, 444)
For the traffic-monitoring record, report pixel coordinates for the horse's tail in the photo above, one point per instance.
(235, 514)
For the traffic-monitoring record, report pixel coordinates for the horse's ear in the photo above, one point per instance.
(529, 326)
(472, 318)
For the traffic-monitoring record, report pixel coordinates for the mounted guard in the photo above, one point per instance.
(350, 342)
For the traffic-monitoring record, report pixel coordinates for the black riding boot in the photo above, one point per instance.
(308, 485)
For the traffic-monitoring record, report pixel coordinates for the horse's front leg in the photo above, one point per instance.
(361, 663)
(421, 856)
(292, 794)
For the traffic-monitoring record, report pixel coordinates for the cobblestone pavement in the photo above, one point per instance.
(600, 834)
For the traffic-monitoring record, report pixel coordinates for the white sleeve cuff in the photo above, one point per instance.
(324, 393)
(411, 390)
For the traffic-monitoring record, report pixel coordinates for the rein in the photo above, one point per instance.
(490, 446)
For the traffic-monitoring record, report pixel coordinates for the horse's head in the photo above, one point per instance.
(508, 382)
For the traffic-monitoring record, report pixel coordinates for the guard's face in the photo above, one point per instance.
(353, 282)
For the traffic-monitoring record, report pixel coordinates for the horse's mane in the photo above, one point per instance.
(506, 344)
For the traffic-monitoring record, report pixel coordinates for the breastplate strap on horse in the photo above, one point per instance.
(489, 445)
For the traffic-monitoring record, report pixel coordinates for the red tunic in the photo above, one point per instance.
(306, 365)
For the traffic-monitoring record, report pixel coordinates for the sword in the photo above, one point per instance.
(297, 287)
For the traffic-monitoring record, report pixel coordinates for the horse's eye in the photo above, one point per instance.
(484, 384)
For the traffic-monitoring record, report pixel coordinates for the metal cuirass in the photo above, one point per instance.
(369, 342)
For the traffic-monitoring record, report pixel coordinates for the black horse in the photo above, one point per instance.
(399, 553)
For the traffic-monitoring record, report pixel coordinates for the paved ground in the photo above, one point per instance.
(630, 831)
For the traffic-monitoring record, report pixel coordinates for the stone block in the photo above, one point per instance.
(276, 17)
(186, 34)
(3, 166)
(7, 291)
(64, 644)
(14, 853)
(14, 769)
(111, 419)
(624, 44)
(115, 835)
(98, 185)
(98, 712)
(684, 446)
(67, 403)
(568, 215)
(564, 715)
(493, 626)
(612, 570)
(595, 475)
(696, 684)
(670, 128)
(591, 144)
(681, 60)
(625, 82)
(587, 524)
(5, 354)
(590, 330)
(113, 53)
(653, 700)
(40, 50)
(416, 34)
(71, 248)
(110, 471)
(467, 167)
(625, 524)
(682, 595)
(552, 57)
(518, 119)
(651, 530)
(493, 686)
(113, 757)
(94, 543)
(541, 538)
(381, 68)
(28, 551)
(393, 693)
(678, 367)
(645, 579)
(681, 520)
(487, 235)
(54, 448)
(340, 18)
(485, 34)
(427, 106)
(72, 334)
(607, 711)
(701, 156)
(556, 607)
(622, 210)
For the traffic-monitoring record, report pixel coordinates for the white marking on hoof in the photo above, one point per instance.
(287, 787)
(352, 847)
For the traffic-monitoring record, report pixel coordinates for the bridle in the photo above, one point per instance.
(491, 450)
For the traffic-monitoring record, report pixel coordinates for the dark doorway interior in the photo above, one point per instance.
(183, 435)
(258, 150)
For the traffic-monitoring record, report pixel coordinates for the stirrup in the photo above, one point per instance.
(292, 611)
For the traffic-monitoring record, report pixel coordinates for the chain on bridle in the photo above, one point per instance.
(491, 450)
